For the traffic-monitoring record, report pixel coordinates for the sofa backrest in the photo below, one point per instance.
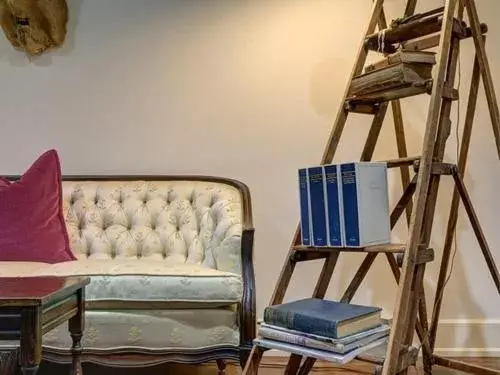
(173, 219)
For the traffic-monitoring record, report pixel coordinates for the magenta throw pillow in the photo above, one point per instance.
(32, 227)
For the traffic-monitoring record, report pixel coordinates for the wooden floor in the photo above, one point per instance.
(270, 366)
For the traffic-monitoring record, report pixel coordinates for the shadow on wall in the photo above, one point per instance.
(328, 82)
(20, 59)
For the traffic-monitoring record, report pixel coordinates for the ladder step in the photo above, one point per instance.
(402, 31)
(402, 162)
(307, 253)
(389, 248)
(423, 256)
(369, 108)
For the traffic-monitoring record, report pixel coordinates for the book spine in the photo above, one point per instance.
(350, 205)
(333, 206)
(299, 340)
(305, 214)
(300, 322)
(317, 204)
(341, 205)
(379, 331)
(374, 225)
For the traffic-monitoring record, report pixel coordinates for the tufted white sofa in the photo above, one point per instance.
(170, 261)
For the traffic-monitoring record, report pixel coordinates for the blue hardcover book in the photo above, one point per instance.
(305, 212)
(365, 204)
(319, 235)
(333, 206)
(323, 317)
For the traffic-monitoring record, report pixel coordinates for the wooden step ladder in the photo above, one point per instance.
(443, 28)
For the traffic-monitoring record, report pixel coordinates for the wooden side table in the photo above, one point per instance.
(32, 306)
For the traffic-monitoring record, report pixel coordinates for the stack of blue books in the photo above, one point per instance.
(323, 329)
(344, 205)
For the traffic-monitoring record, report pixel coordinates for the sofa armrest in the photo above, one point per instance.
(248, 304)
(248, 315)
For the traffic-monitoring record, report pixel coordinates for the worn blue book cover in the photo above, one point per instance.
(323, 317)
(350, 204)
(365, 203)
(305, 212)
(333, 206)
(317, 205)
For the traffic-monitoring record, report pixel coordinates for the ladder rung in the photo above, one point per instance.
(423, 256)
(389, 248)
(304, 256)
(408, 31)
(439, 168)
(431, 41)
(402, 162)
(362, 108)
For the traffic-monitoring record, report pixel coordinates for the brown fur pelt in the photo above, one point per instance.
(34, 25)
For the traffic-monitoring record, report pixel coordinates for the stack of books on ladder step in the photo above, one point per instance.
(401, 74)
(342, 206)
(323, 329)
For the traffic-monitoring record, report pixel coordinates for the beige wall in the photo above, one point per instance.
(245, 89)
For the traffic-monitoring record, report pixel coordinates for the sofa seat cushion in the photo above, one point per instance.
(132, 280)
(154, 330)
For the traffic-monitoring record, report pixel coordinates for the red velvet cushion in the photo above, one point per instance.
(32, 227)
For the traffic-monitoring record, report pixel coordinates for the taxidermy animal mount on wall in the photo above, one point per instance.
(34, 26)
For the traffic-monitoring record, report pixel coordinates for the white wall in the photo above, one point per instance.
(244, 89)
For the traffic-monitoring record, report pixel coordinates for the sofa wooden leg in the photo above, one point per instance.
(221, 365)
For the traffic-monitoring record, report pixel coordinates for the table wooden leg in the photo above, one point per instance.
(76, 327)
(31, 341)
(9, 362)
(30, 370)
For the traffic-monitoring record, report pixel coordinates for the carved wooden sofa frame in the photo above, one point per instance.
(246, 307)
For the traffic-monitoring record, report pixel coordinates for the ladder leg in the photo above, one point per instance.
(358, 277)
(373, 134)
(253, 362)
(366, 155)
(397, 114)
(287, 271)
(293, 364)
(410, 7)
(485, 69)
(416, 296)
(307, 366)
(453, 216)
(424, 172)
(483, 244)
(324, 280)
(284, 277)
(360, 61)
(442, 136)
(402, 151)
(405, 179)
(329, 152)
(444, 127)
